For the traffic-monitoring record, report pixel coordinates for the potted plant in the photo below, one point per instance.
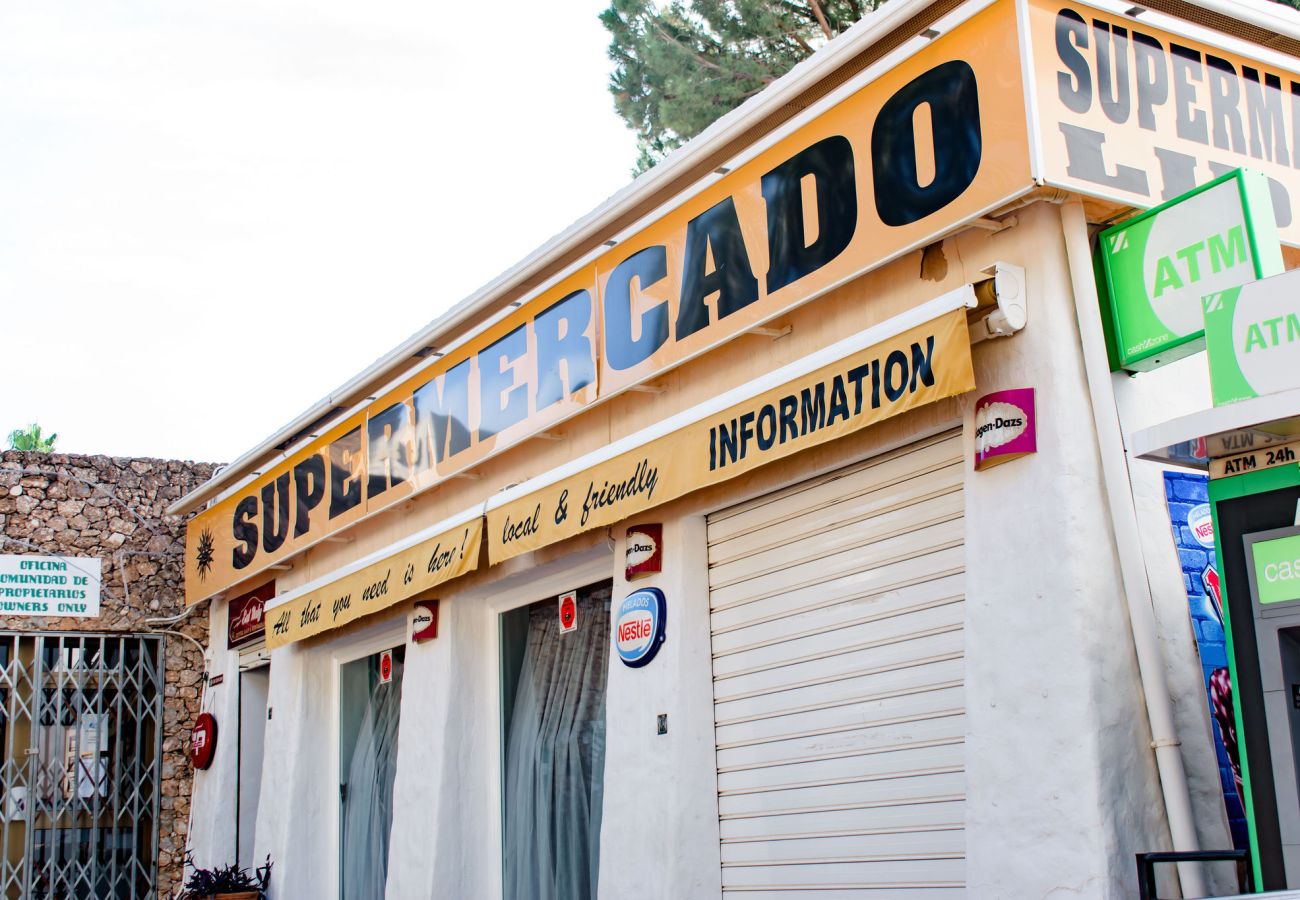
(226, 882)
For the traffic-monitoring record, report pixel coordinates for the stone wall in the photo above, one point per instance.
(113, 508)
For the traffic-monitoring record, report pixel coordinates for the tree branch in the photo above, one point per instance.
(798, 10)
(821, 18)
(704, 61)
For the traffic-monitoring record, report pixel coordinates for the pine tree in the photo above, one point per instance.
(680, 65)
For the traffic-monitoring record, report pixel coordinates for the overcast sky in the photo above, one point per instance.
(213, 214)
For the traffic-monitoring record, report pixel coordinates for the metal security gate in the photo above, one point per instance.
(81, 738)
(837, 612)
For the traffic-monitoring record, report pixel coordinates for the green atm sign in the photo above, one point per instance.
(1157, 266)
(1252, 336)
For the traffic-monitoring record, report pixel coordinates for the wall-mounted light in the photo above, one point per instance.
(1001, 309)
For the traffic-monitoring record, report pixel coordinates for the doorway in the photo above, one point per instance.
(370, 702)
(554, 665)
(254, 687)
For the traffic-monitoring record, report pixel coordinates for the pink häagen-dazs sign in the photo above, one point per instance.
(1004, 427)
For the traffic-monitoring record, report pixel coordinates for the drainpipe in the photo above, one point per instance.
(1133, 572)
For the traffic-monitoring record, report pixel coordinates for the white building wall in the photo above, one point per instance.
(659, 834)
(439, 837)
(298, 810)
(1062, 786)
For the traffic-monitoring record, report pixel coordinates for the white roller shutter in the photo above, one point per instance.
(836, 610)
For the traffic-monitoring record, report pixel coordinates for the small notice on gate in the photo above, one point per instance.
(50, 586)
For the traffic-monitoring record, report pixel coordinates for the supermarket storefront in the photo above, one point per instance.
(769, 532)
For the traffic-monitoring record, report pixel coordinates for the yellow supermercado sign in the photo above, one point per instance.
(1137, 114)
(935, 141)
(376, 586)
(919, 366)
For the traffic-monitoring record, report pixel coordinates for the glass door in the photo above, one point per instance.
(254, 687)
(370, 701)
(554, 662)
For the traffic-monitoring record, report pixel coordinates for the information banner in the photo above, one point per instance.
(376, 586)
(917, 366)
(50, 586)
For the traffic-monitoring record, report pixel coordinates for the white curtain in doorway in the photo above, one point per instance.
(368, 816)
(555, 757)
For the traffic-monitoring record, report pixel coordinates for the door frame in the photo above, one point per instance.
(249, 659)
(367, 642)
(518, 590)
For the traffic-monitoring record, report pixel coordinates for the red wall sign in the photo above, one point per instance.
(424, 621)
(644, 551)
(248, 616)
(568, 611)
(386, 667)
(203, 741)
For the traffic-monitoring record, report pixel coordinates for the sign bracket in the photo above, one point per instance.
(773, 333)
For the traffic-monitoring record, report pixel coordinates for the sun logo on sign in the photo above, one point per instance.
(205, 554)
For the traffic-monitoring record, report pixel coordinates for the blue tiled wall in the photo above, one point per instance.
(1184, 492)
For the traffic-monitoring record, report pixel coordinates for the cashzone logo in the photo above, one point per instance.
(1277, 569)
